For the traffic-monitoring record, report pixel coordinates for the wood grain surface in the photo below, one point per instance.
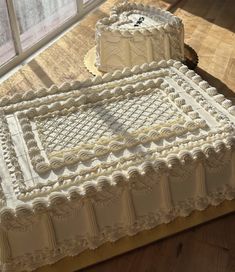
(209, 29)
(206, 248)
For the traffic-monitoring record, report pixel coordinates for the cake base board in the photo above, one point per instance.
(123, 245)
(191, 60)
(89, 61)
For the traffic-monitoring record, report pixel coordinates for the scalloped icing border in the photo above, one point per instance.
(117, 75)
(104, 23)
(137, 166)
(34, 151)
(13, 103)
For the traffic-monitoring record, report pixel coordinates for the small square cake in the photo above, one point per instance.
(134, 34)
(94, 161)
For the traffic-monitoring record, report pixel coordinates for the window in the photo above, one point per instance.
(7, 49)
(37, 18)
(26, 25)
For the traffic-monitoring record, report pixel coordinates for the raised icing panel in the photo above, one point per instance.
(76, 132)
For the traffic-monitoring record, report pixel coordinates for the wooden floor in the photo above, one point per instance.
(206, 248)
(209, 29)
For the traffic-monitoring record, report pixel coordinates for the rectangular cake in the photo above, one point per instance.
(94, 161)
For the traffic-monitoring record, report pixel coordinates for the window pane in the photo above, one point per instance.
(87, 1)
(37, 18)
(7, 50)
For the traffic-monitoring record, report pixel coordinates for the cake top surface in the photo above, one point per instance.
(131, 18)
(87, 135)
(137, 20)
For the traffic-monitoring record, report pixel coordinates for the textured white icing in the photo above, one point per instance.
(122, 42)
(171, 131)
(166, 193)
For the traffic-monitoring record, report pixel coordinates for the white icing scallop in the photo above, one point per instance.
(56, 162)
(211, 91)
(204, 85)
(133, 173)
(65, 87)
(219, 98)
(183, 69)
(173, 161)
(186, 157)
(103, 183)
(193, 114)
(16, 98)
(100, 150)
(227, 103)
(85, 155)
(232, 110)
(42, 167)
(153, 65)
(115, 145)
(160, 166)
(4, 101)
(166, 132)
(148, 168)
(197, 78)
(70, 158)
(173, 96)
(179, 101)
(29, 95)
(186, 108)
(190, 73)
(118, 178)
(177, 64)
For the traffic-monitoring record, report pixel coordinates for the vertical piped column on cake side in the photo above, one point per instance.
(97, 51)
(232, 178)
(182, 42)
(201, 190)
(149, 49)
(231, 192)
(49, 232)
(167, 47)
(90, 214)
(230, 186)
(126, 52)
(166, 197)
(5, 249)
(129, 210)
(166, 192)
(200, 180)
(92, 225)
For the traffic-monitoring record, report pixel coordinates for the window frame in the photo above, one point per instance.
(20, 54)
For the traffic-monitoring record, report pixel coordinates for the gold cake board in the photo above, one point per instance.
(89, 61)
(109, 250)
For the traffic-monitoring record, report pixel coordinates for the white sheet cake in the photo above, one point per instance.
(93, 161)
(134, 34)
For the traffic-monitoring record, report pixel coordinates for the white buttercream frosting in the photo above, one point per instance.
(135, 34)
(109, 157)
